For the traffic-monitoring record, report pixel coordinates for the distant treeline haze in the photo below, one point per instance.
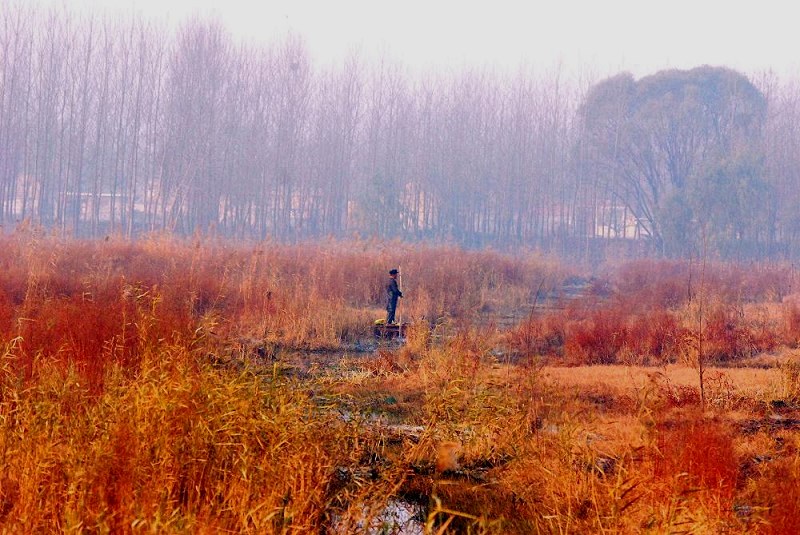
(118, 125)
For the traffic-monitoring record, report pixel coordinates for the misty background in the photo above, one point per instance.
(112, 124)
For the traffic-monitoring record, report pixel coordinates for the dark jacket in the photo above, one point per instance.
(393, 291)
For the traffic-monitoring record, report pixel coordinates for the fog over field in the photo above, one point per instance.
(573, 129)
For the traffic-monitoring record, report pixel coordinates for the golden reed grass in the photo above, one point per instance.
(126, 405)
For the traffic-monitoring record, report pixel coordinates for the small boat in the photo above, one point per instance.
(381, 329)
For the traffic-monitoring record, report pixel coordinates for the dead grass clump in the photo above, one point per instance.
(603, 398)
(790, 375)
(538, 335)
(772, 500)
(654, 337)
(661, 394)
(562, 480)
(726, 336)
(385, 363)
(180, 447)
(696, 454)
(467, 402)
(419, 337)
(603, 335)
(653, 307)
(596, 340)
(720, 391)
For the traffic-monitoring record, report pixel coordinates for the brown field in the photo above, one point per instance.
(197, 386)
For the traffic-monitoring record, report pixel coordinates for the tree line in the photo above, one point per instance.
(119, 125)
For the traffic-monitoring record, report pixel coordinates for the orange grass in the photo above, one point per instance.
(178, 448)
(752, 382)
(657, 312)
(93, 303)
(150, 386)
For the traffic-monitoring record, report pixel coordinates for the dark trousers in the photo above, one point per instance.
(390, 308)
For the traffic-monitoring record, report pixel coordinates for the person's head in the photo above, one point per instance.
(393, 273)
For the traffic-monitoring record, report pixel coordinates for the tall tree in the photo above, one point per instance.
(647, 139)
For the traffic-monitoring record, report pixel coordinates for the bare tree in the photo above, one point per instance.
(16, 65)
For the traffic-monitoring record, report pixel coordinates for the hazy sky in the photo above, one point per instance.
(601, 35)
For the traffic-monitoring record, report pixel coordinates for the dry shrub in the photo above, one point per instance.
(652, 308)
(560, 481)
(724, 333)
(602, 335)
(654, 337)
(597, 339)
(726, 336)
(764, 324)
(538, 335)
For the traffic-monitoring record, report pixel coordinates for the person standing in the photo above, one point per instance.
(392, 293)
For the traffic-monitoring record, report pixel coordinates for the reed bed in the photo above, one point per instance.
(150, 386)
